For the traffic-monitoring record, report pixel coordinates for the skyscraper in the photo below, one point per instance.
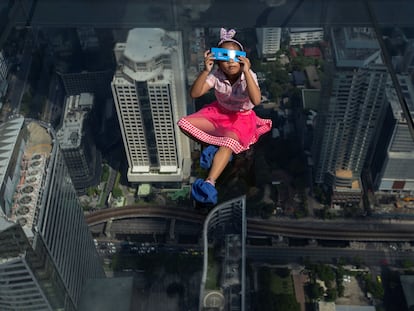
(224, 233)
(76, 144)
(268, 42)
(395, 172)
(149, 90)
(352, 109)
(47, 248)
(21, 290)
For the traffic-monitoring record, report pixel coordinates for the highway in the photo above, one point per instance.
(357, 230)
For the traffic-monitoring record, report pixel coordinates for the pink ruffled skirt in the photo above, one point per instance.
(218, 126)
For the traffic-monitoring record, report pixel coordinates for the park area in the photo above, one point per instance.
(275, 290)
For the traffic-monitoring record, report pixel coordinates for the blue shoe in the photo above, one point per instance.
(204, 192)
(207, 156)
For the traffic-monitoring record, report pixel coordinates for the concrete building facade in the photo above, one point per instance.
(397, 172)
(79, 150)
(149, 90)
(268, 42)
(353, 106)
(225, 229)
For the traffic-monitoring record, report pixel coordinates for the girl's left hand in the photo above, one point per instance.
(245, 63)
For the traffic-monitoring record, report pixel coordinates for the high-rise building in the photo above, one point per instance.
(47, 251)
(268, 42)
(76, 144)
(21, 290)
(149, 90)
(225, 232)
(353, 103)
(395, 172)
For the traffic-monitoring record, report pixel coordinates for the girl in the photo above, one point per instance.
(229, 122)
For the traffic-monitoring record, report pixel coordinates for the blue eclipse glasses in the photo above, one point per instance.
(226, 55)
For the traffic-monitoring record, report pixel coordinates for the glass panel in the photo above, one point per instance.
(320, 171)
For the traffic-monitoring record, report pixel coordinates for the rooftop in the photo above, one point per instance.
(30, 169)
(76, 109)
(354, 47)
(143, 44)
(146, 48)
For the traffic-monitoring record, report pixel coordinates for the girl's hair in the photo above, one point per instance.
(227, 36)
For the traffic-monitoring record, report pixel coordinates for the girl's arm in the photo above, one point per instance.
(200, 86)
(252, 88)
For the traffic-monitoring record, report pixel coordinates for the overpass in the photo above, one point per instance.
(353, 230)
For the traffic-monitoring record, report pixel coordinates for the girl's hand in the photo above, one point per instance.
(244, 63)
(208, 61)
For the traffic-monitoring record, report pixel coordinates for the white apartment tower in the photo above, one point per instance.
(352, 109)
(46, 250)
(149, 90)
(268, 42)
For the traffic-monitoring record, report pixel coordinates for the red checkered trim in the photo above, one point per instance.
(231, 143)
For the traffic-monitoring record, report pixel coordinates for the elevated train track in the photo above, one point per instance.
(361, 230)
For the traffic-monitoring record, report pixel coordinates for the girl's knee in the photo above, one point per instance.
(225, 151)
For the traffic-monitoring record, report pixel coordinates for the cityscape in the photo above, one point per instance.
(95, 194)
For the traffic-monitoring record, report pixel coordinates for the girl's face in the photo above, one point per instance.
(230, 68)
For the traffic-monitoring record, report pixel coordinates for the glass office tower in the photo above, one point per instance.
(53, 248)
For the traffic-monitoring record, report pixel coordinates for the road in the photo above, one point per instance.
(284, 255)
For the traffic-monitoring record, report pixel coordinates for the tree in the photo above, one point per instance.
(315, 291)
(341, 289)
(286, 303)
(275, 90)
(331, 294)
(116, 192)
(407, 264)
(324, 272)
(279, 76)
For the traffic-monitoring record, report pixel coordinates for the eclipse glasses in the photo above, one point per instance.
(226, 55)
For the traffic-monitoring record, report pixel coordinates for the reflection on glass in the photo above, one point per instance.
(329, 192)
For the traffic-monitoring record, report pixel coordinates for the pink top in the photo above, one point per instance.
(231, 97)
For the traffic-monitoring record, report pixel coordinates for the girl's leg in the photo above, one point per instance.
(220, 161)
(202, 124)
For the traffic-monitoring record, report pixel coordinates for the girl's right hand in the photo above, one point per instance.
(208, 61)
